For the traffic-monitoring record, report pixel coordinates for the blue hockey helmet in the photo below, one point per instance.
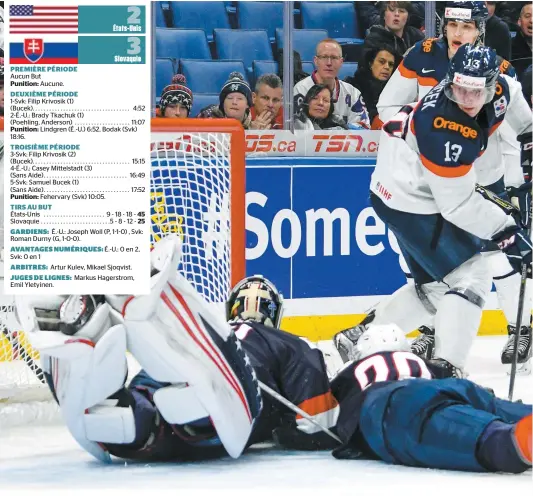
(472, 75)
(466, 12)
(255, 298)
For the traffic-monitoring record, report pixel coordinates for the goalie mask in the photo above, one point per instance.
(255, 298)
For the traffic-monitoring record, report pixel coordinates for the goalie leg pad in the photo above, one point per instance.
(85, 375)
(179, 404)
(178, 338)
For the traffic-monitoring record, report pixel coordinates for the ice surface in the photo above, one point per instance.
(46, 460)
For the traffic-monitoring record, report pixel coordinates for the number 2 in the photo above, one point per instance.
(134, 17)
(452, 152)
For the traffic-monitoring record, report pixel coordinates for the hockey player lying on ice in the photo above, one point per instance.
(198, 396)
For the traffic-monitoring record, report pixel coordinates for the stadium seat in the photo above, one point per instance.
(243, 44)
(260, 15)
(160, 21)
(202, 100)
(347, 69)
(304, 41)
(308, 67)
(178, 43)
(338, 18)
(263, 67)
(164, 70)
(200, 15)
(208, 76)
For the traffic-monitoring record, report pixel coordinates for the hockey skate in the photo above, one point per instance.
(524, 349)
(424, 345)
(346, 339)
(442, 369)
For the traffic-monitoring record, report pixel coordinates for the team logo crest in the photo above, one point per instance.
(33, 49)
(500, 106)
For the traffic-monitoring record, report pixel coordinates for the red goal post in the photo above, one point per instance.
(205, 159)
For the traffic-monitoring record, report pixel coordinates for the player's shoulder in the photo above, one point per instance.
(506, 68)
(424, 52)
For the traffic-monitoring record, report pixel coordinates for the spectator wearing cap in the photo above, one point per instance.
(267, 100)
(317, 111)
(521, 44)
(393, 29)
(176, 99)
(372, 75)
(235, 100)
(497, 34)
(347, 100)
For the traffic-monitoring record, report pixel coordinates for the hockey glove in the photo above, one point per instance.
(508, 207)
(521, 198)
(526, 144)
(515, 243)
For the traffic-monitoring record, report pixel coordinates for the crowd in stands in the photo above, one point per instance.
(229, 57)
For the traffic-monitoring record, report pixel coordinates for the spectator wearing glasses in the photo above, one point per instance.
(347, 100)
(393, 29)
(372, 75)
(317, 111)
(267, 99)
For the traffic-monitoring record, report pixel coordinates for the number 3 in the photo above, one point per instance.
(452, 152)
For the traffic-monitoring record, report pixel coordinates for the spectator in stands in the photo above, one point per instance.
(347, 100)
(521, 44)
(372, 75)
(176, 98)
(235, 101)
(393, 29)
(497, 34)
(317, 111)
(369, 14)
(267, 100)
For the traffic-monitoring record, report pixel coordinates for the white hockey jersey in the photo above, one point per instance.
(426, 155)
(425, 65)
(348, 101)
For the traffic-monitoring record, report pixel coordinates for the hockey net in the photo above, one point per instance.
(197, 184)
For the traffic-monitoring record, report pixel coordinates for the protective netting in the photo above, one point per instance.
(190, 196)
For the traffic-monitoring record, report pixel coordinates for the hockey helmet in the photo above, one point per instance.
(255, 298)
(472, 75)
(378, 338)
(465, 12)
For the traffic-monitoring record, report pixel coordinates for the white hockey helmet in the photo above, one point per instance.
(376, 338)
(255, 298)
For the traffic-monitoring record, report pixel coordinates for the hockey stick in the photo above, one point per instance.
(297, 410)
(521, 298)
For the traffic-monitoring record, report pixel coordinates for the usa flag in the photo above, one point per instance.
(33, 19)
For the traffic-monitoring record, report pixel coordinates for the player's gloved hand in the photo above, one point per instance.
(526, 148)
(516, 244)
(521, 198)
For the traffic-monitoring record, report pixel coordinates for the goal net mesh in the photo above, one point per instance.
(190, 195)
